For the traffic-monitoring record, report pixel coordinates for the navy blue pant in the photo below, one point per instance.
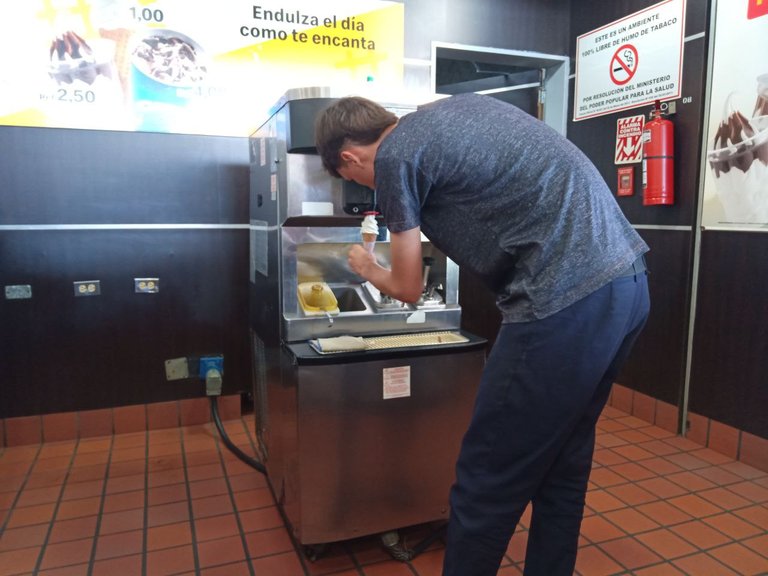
(532, 434)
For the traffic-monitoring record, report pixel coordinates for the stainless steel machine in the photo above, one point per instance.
(356, 442)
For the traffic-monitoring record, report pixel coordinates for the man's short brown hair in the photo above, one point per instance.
(350, 120)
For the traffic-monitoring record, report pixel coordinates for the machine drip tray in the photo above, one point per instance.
(388, 342)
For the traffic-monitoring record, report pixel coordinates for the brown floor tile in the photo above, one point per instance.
(66, 553)
(630, 553)
(750, 490)
(695, 505)
(664, 513)
(659, 570)
(284, 564)
(724, 499)
(115, 522)
(25, 537)
(733, 526)
(757, 515)
(215, 527)
(666, 543)
(632, 494)
(592, 561)
(221, 551)
(75, 529)
(20, 561)
(645, 485)
(596, 529)
(170, 561)
(212, 506)
(122, 544)
(236, 569)
(167, 514)
(118, 566)
(700, 534)
(169, 536)
(703, 564)
(602, 501)
(268, 542)
(631, 521)
(741, 559)
(124, 501)
(42, 513)
(633, 472)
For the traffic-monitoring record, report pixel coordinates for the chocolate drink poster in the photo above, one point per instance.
(186, 67)
(736, 174)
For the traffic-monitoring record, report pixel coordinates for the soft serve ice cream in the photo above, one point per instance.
(369, 230)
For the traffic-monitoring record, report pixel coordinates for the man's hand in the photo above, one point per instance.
(361, 261)
(403, 281)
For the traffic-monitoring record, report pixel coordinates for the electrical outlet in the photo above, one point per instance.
(212, 371)
(146, 285)
(87, 288)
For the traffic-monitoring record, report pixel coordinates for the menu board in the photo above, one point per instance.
(187, 67)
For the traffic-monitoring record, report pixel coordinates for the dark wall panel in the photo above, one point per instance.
(51, 176)
(70, 353)
(75, 353)
(729, 376)
(657, 364)
(539, 26)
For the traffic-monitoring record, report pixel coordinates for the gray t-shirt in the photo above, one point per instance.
(508, 198)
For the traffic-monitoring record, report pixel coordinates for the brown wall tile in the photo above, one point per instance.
(194, 411)
(724, 439)
(130, 419)
(622, 398)
(23, 430)
(229, 407)
(667, 417)
(754, 451)
(644, 407)
(60, 426)
(698, 428)
(162, 415)
(96, 423)
(2, 432)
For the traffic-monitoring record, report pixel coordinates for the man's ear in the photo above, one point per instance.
(348, 156)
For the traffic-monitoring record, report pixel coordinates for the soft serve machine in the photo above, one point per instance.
(356, 442)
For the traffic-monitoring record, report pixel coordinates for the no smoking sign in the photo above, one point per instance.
(623, 64)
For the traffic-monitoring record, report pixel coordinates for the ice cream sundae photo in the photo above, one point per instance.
(73, 58)
(739, 160)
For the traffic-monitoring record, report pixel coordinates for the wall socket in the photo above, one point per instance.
(87, 288)
(146, 285)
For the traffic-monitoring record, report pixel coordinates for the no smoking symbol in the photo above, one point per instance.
(624, 64)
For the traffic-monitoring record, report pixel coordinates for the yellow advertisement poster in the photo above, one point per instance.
(186, 67)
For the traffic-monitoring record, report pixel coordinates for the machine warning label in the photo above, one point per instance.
(397, 382)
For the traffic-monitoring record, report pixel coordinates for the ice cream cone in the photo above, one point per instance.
(369, 241)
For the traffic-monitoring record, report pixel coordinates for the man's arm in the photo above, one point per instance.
(403, 280)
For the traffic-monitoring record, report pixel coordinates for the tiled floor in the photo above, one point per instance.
(177, 502)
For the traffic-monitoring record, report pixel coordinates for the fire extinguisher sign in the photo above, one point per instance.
(629, 140)
(631, 62)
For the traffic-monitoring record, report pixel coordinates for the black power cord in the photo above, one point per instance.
(228, 442)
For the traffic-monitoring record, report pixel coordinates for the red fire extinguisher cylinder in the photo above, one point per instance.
(658, 160)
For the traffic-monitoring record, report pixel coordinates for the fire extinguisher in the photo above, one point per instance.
(658, 160)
